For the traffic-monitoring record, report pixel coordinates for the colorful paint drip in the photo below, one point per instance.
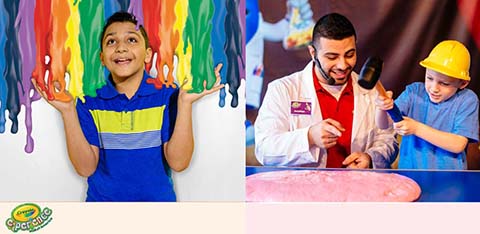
(25, 24)
(57, 42)
(3, 81)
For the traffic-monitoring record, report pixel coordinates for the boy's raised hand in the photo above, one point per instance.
(59, 105)
(385, 103)
(190, 98)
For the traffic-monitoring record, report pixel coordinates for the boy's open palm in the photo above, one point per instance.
(59, 105)
(190, 98)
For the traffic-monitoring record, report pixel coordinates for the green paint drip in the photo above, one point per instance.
(91, 24)
(198, 30)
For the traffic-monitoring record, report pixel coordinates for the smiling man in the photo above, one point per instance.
(320, 117)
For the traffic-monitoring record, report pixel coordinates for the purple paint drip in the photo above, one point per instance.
(25, 25)
(136, 9)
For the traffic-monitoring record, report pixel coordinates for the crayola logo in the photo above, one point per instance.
(28, 217)
(26, 212)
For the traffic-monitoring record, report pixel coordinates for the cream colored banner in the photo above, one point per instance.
(135, 218)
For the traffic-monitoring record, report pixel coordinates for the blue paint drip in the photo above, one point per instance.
(13, 69)
(3, 82)
(233, 49)
(112, 6)
(218, 41)
(124, 4)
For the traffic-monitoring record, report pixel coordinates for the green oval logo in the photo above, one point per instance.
(25, 212)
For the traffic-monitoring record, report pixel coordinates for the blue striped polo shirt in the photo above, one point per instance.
(130, 134)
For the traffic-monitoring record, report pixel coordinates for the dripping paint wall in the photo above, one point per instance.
(216, 172)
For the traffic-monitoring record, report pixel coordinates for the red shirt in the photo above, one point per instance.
(341, 111)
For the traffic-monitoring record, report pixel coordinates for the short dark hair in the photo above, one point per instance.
(123, 16)
(333, 26)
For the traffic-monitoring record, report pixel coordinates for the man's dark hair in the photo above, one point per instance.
(333, 26)
(123, 16)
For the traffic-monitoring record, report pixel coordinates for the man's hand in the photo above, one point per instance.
(357, 160)
(325, 134)
(385, 103)
(189, 98)
(405, 127)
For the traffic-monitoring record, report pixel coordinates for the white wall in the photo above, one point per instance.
(216, 173)
(217, 170)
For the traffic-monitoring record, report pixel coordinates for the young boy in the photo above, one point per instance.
(121, 139)
(441, 114)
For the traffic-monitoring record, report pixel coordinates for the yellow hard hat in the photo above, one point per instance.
(450, 58)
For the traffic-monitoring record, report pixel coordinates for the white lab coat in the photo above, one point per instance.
(282, 138)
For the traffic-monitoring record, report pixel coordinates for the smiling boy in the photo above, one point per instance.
(125, 139)
(442, 113)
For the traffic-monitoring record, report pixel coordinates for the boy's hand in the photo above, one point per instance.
(385, 103)
(190, 98)
(407, 126)
(61, 106)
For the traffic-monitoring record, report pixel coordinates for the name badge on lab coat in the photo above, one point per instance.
(300, 108)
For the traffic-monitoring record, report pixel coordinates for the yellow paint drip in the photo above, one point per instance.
(184, 59)
(75, 66)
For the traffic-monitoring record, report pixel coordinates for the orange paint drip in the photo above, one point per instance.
(60, 55)
(43, 28)
(169, 40)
